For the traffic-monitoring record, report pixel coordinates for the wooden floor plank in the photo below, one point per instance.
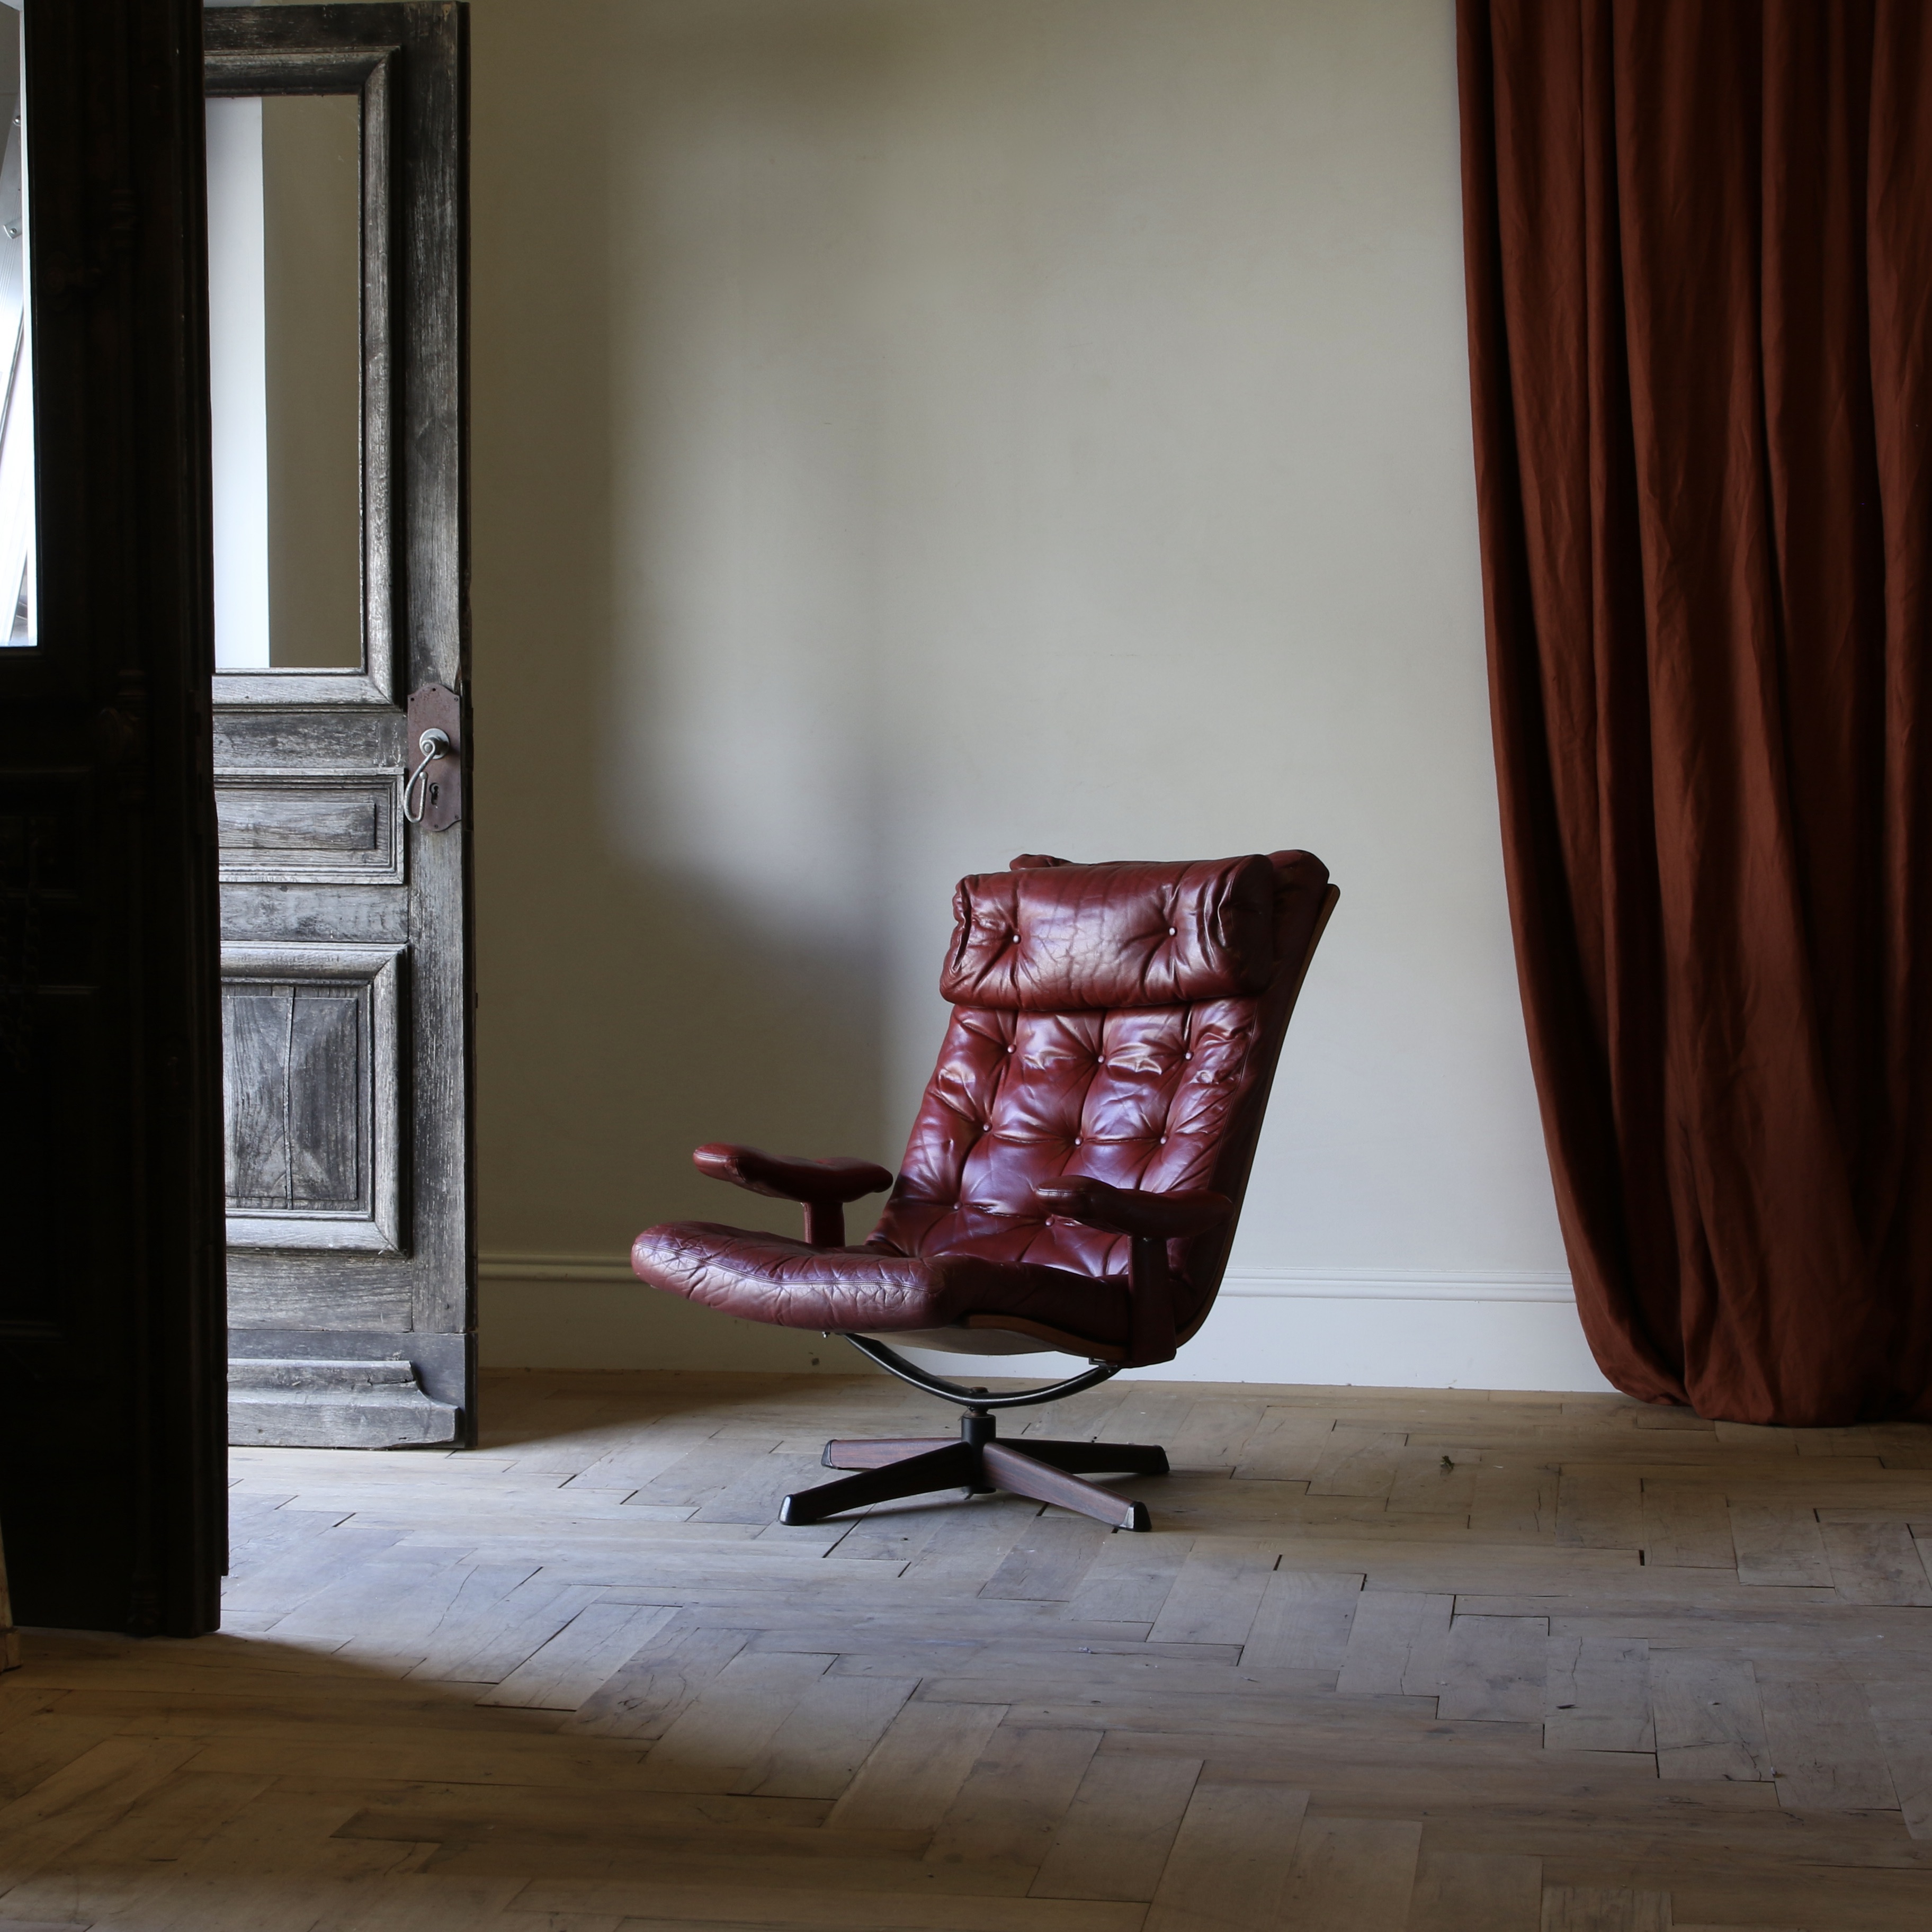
(1471, 1891)
(1759, 1437)
(1875, 1562)
(1229, 1866)
(35, 1747)
(1394, 1633)
(1215, 1433)
(1705, 1710)
(1901, 1715)
(1515, 1498)
(643, 1697)
(1597, 1695)
(342, 1585)
(1687, 1526)
(1599, 1508)
(1047, 1561)
(889, 1535)
(1286, 1445)
(483, 1642)
(1486, 1667)
(1840, 1900)
(290, 1831)
(1429, 1482)
(761, 1484)
(646, 1905)
(1606, 1909)
(1014, 1797)
(1357, 1462)
(1215, 1598)
(1778, 1543)
(172, 1822)
(1352, 1875)
(726, 1728)
(582, 1657)
(88, 1795)
(1151, 1414)
(913, 1775)
(1302, 1621)
(1114, 1841)
(1824, 1751)
(709, 1469)
(1129, 1579)
(970, 1541)
(832, 1730)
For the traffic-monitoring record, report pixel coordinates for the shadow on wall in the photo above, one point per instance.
(676, 842)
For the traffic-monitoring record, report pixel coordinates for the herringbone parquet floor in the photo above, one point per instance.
(1391, 1661)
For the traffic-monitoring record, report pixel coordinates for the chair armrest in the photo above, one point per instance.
(1130, 1210)
(791, 1178)
(1152, 1220)
(823, 1186)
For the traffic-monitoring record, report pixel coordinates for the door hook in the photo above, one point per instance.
(432, 744)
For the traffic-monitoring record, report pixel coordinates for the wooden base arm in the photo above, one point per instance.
(955, 1466)
(1020, 1474)
(1131, 1459)
(876, 1453)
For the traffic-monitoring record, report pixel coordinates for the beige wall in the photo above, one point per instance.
(911, 432)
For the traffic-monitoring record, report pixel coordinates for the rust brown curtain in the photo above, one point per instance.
(1699, 246)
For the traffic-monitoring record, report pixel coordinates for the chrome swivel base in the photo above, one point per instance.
(979, 1463)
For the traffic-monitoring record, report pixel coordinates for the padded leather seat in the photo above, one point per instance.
(877, 1290)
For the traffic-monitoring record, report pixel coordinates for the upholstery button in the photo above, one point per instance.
(1170, 932)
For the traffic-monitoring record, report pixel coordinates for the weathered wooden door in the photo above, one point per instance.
(336, 220)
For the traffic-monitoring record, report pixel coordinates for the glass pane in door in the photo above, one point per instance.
(285, 303)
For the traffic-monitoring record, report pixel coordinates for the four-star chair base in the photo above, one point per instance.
(979, 1463)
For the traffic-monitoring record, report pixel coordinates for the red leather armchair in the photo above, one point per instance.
(1075, 1174)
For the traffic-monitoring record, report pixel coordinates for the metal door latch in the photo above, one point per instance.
(432, 792)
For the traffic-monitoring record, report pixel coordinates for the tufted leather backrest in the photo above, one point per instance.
(1087, 1038)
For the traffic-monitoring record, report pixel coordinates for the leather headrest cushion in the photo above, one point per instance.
(1058, 938)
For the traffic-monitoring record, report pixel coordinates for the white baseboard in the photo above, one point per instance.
(1399, 1284)
(1393, 1328)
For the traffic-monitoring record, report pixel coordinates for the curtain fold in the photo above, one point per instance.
(1698, 239)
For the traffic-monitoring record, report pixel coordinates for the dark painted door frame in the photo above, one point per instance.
(112, 1464)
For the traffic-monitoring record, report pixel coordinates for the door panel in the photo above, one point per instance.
(313, 1051)
(308, 828)
(345, 927)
